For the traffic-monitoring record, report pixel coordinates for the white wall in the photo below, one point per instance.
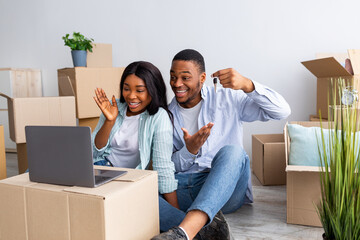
(264, 40)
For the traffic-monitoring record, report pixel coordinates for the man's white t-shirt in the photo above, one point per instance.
(125, 144)
(190, 117)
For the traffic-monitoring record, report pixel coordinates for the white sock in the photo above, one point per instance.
(187, 237)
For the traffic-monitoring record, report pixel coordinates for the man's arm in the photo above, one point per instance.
(259, 103)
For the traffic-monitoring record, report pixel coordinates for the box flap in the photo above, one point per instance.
(326, 67)
(296, 168)
(132, 175)
(354, 55)
(4, 95)
(18, 180)
(124, 181)
(65, 87)
(340, 57)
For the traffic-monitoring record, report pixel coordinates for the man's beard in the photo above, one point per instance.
(193, 96)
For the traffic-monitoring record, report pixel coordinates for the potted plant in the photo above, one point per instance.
(339, 207)
(79, 46)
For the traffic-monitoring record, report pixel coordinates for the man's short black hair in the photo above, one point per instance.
(191, 55)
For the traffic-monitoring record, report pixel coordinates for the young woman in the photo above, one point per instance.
(137, 127)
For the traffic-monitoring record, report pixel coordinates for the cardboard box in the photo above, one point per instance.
(126, 208)
(101, 56)
(338, 112)
(89, 122)
(22, 157)
(17, 82)
(2, 154)
(315, 118)
(329, 68)
(303, 191)
(81, 82)
(56, 111)
(268, 158)
(10, 146)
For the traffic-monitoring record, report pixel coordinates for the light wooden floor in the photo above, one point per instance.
(264, 219)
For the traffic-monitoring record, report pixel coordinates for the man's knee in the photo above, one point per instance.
(231, 154)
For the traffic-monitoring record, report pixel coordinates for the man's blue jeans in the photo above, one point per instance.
(223, 187)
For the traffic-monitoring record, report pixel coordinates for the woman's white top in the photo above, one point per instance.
(125, 144)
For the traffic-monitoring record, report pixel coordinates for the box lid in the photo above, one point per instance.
(330, 67)
(132, 175)
(18, 180)
(326, 67)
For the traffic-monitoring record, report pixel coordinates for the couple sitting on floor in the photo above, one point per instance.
(195, 142)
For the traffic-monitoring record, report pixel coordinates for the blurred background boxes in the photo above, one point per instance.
(81, 82)
(268, 158)
(101, 56)
(2, 154)
(55, 111)
(17, 83)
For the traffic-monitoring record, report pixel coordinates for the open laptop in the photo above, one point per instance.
(63, 155)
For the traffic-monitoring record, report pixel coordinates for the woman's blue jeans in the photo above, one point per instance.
(222, 188)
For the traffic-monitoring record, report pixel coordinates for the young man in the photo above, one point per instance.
(212, 169)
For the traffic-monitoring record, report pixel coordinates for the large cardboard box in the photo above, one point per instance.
(302, 186)
(56, 111)
(126, 208)
(16, 83)
(329, 68)
(81, 82)
(268, 158)
(101, 56)
(2, 154)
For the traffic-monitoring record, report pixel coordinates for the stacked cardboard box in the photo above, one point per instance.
(56, 111)
(302, 186)
(81, 82)
(268, 158)
(2, 154)
(17, 83)
(126, 208)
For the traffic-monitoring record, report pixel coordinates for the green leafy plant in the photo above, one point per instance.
(78, 42)
(339, 207)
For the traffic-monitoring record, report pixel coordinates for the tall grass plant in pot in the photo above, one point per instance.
(79, 46)
(339, 207)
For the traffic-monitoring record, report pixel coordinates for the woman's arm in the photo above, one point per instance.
(103, 134)
(110, 111)
(172, 199)
(161, 151)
